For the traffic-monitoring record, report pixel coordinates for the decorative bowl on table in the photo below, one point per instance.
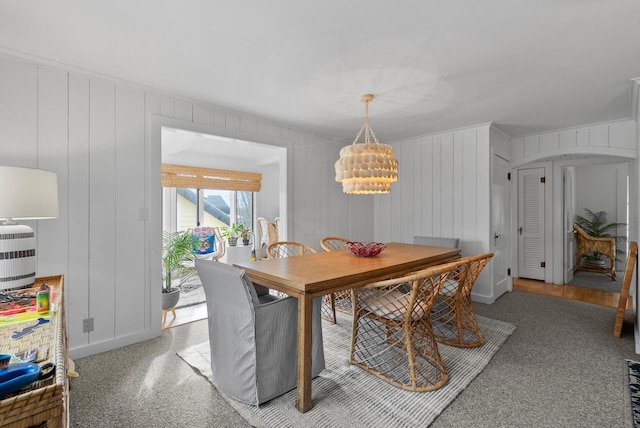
(366, 249)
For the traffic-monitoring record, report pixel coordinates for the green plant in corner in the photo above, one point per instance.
(177, 258)
(595, 224)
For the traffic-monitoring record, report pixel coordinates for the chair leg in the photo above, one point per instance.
(164, 315)
(329, 308)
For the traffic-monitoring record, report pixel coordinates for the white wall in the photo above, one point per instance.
(602, 188)
(95, 134)
(443, 190)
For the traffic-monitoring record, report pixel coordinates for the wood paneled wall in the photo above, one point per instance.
(442, 190)
(93, 133)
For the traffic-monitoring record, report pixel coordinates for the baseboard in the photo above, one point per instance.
(108, 345)
(482, 298)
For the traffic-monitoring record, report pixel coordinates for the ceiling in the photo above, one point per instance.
(527, 65)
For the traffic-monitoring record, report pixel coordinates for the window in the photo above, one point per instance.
(211, 207)
(215, 197)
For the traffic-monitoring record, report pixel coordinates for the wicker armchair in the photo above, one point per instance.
(452, 316)
(269, 233)
(392, 334)
(342, 299)
(589, 244)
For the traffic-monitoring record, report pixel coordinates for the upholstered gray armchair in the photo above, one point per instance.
(253, 335)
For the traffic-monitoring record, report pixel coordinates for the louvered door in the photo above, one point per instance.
(531, 257)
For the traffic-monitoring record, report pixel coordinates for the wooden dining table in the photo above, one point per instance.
(309, 276)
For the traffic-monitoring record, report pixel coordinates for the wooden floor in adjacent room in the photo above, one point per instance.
(571, 292)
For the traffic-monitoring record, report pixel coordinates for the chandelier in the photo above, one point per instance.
(369, 167)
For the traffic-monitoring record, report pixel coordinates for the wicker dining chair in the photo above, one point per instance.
(282, 249)
(333, 243)
(341, 300)
(278, 250)
(392, 335)
(452, 316)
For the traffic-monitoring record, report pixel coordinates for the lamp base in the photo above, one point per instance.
(17, 256)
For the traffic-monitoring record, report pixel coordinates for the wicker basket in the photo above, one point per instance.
(43, 400)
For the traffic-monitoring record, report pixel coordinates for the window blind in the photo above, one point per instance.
(194, 177)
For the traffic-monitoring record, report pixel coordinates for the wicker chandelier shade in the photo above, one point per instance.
(369, 167)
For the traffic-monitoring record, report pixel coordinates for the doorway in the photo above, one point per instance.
(180, 142)
(588, 189)
(531, 223)
(571, 184)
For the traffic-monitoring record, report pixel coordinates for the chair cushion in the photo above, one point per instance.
(450, 287)
(204, 240)
(391, 305)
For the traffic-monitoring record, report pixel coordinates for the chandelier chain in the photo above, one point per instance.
(368, 132)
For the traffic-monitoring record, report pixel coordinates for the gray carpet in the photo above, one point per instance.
(347, 396)
(561, 367)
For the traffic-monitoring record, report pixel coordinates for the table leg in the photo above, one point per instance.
(305, 316)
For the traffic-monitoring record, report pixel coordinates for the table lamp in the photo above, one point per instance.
(25, 194)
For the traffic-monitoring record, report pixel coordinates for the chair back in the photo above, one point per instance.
(468, 269)
(452, 315)
(207, 242)
(269, 233)
(392, 334)
(230, 304)
(434, 241)
(288, 249)
(333, 243)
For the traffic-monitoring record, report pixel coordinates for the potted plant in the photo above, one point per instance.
(177, 264)
(244, 234)
(232, 233)
(595, 224)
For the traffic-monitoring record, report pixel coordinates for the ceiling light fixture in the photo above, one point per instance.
(369, 167)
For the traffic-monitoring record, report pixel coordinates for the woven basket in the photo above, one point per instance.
(43, 400)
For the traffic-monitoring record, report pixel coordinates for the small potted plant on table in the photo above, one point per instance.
(244, 234)
(232, 233)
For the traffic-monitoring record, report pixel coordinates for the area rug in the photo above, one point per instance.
(191, 293)
(347, 396)
(634, 391)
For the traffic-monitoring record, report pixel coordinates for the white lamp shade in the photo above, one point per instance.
(27, 193)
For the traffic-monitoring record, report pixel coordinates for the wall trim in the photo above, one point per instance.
(613, 152)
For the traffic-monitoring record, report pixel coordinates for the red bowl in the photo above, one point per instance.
(366, 249)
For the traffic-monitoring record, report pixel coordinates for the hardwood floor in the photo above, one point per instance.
(186, 315)
(571, 292)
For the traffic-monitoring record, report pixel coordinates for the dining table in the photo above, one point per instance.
(309, 276)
